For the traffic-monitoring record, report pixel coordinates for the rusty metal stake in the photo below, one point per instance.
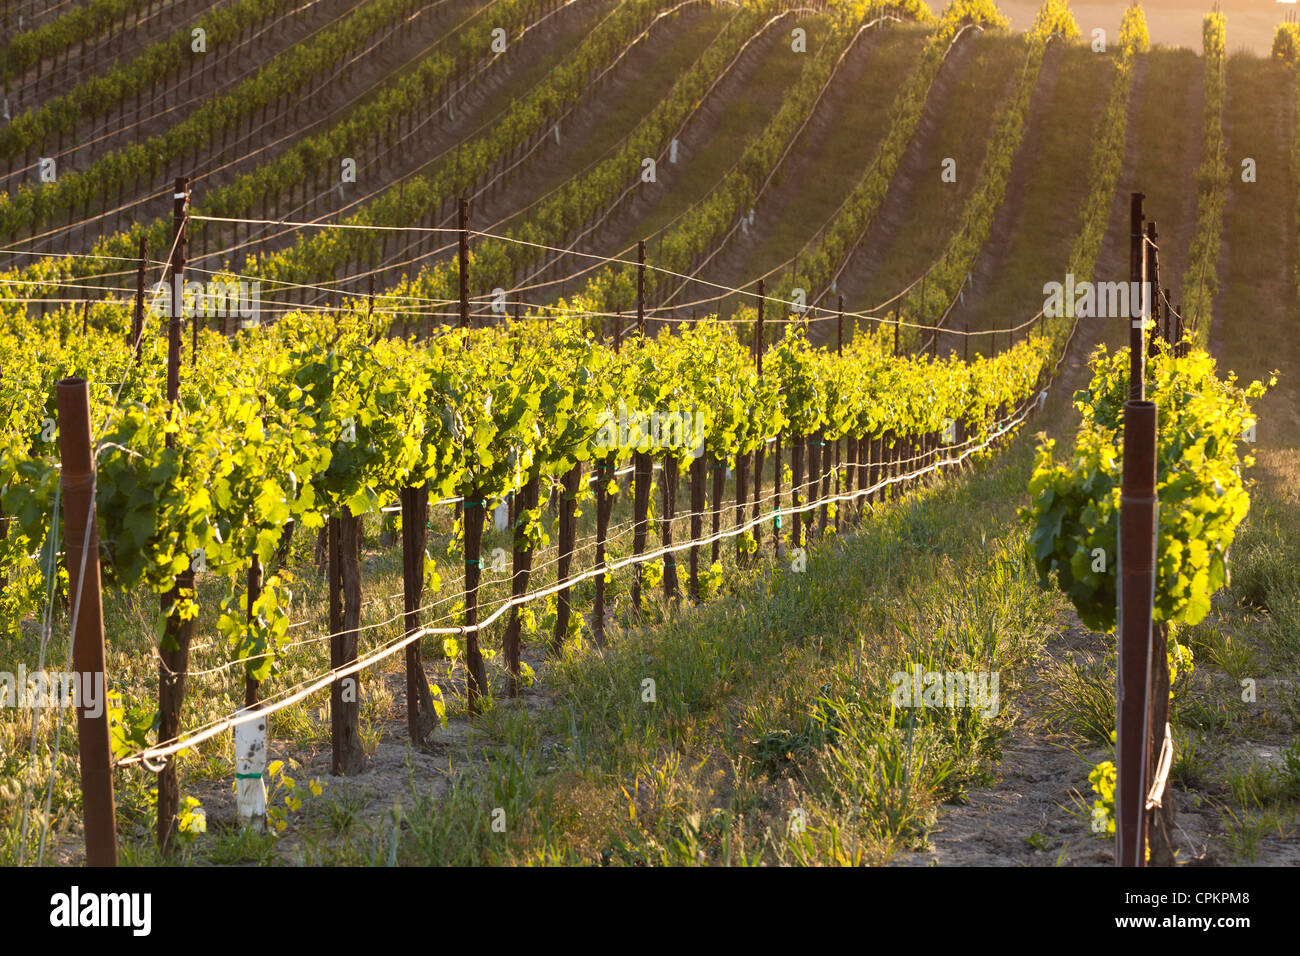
(1137, 546)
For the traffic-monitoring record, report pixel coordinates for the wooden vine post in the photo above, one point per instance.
(671, 472)
(137, 321)
(640, 287)
(604, 508)
(870, 470)
(344, 586)
(1137, 324)
(462, 259)
(1169, 318)
(570, 483)
(420, 714)
(174, 654)
(719, 487)
(894, 469)
(642, 461)
(742, 498)
(1181, 345)
(1160, 808)
(253, 593)
(522, 566)
(776, 495)
(81, 560)
(1152, 286)
(839, 352)
(824, 469)
(1143, 747)
(797, 445)
(473, 514)
(699, 476)
(924, 311)
(642, 471)
(477, 671)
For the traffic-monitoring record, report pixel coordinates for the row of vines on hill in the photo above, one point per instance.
(818, 265)
(612, 287)
(682, 246)
(317, 416)
(30, 47)
(947, 276)
(948, 273)
(31, 206)
(1286, 48)
(713, 220)
(493, 262)
(413, 96)
(97, 94)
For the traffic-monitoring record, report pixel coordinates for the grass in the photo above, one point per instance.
(765, 713)
(1085, 702)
